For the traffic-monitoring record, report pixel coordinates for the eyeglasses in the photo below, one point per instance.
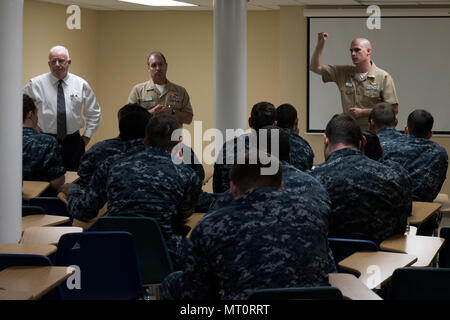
(60, 61)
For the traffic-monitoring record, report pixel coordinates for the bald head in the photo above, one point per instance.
(58, 49)
(363, 42)
(360, 50)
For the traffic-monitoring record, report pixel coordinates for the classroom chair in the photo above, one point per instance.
(299, 293)
(51, 205)
(16, 260)
(444, 254)
(30, 210)
(342, 248)
(412, 283)
(106, 266)
(153, 256)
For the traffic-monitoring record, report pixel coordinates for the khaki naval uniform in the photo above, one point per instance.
(147, 95)
(377, 86)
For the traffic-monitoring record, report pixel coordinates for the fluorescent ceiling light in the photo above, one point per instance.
(161, 3)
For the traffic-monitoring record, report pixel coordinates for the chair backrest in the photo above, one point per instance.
(51, 205)
(154, 258)
(420, 284)
(106, 266)
(16, 260)
(342, 248)
(444, 253)
(30, 210)
(300, 293)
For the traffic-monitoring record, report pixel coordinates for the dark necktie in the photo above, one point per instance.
(61, 130)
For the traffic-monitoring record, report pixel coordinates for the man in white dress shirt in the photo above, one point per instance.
(59, 97)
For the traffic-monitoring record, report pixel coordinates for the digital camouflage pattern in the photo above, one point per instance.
(92, 159)
(263, 239)
(302, 156)
(425, 161)
(302, 187)
(387, 134)
(41, 157)
(145, 182)
(368, 199)
(228, 155)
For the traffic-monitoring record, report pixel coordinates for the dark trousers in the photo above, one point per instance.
(72, 149)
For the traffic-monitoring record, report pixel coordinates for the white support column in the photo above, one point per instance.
(11, 16)
(230, 64)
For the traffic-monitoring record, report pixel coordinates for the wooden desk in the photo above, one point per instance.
(36, 281)
(42, 220)
(443, 199)
(421, 211)
(376, 268)
(351, 287)
(208, 176)
(14, 295)
(193, 220)
(27, 248)
(71, 177)
(46, 235)
(62, 196)
(424, 248)
(33, 189)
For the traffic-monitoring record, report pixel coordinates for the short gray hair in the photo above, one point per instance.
(58, 48)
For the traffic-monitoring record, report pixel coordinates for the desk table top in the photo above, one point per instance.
(42, 220)
(33, 189)
(193, 220)
(351, 287)
(421, 211)
(443, 199)
(27, 248)
(424, 248)
(36, 281)
(71, 177)
(375, 268)
(46, 235)
(15, 295)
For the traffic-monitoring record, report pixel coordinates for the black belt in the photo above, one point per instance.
(69, 135)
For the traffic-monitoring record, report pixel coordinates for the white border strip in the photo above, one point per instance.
(385, 12)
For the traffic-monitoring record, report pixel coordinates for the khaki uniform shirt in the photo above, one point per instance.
(377, 86)
(147, 95)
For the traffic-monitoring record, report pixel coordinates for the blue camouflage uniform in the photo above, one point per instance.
(145, 182)
(41, 156)
(84, 202)
(369, 200)
(302, 156)
(91, 160)
(103, 149)
(425, 161)
(298, 184)
(263, 239)
(387, 134)
(227, 156)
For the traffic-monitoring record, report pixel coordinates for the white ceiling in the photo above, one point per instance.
(252, 4)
